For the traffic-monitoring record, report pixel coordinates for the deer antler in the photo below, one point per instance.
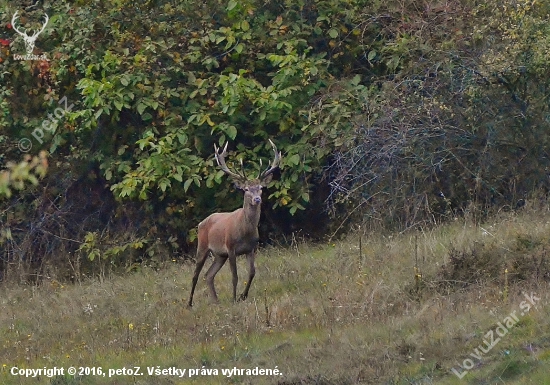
(220, 158)
(274, 165)
(43, 27)
(13, 19)
(29, 40)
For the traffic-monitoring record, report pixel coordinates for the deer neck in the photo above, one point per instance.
(251, 214)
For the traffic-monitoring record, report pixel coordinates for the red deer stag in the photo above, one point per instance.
(227, 235)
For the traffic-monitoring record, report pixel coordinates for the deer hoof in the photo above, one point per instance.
(242, 297)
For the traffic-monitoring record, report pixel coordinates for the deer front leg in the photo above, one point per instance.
(233, 266)
(251, 272)
(219, 261)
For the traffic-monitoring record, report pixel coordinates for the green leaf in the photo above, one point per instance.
(232, 4)
(219, 175)
(333, 33)
(231, 131)
(371, 55)
(141, 107)
(164, 184)
(182, 138)
(187, 184)
(294, 159)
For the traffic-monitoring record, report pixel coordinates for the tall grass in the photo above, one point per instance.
(397, 309)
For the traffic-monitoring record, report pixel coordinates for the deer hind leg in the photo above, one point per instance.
(251, 273)
(219, 261)
(201, 258)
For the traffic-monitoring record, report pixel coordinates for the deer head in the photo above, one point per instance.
(29, 40)
(252, 187)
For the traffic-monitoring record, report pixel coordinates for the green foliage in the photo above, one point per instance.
(93, 249)
(166, 96)
(416, 110)
(16, 175)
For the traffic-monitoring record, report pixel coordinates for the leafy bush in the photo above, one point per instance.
(409, 112)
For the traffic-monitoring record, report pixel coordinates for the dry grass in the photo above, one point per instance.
(323, 314)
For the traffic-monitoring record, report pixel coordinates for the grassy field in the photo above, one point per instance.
(405, 309)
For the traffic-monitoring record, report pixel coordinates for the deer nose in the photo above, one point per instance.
(257, 200)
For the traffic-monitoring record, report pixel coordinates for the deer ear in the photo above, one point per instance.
(240, 184)
(266, 180)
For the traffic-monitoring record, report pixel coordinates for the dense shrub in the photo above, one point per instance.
(389, 112)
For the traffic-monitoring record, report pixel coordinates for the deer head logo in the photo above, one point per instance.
(29, 40)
